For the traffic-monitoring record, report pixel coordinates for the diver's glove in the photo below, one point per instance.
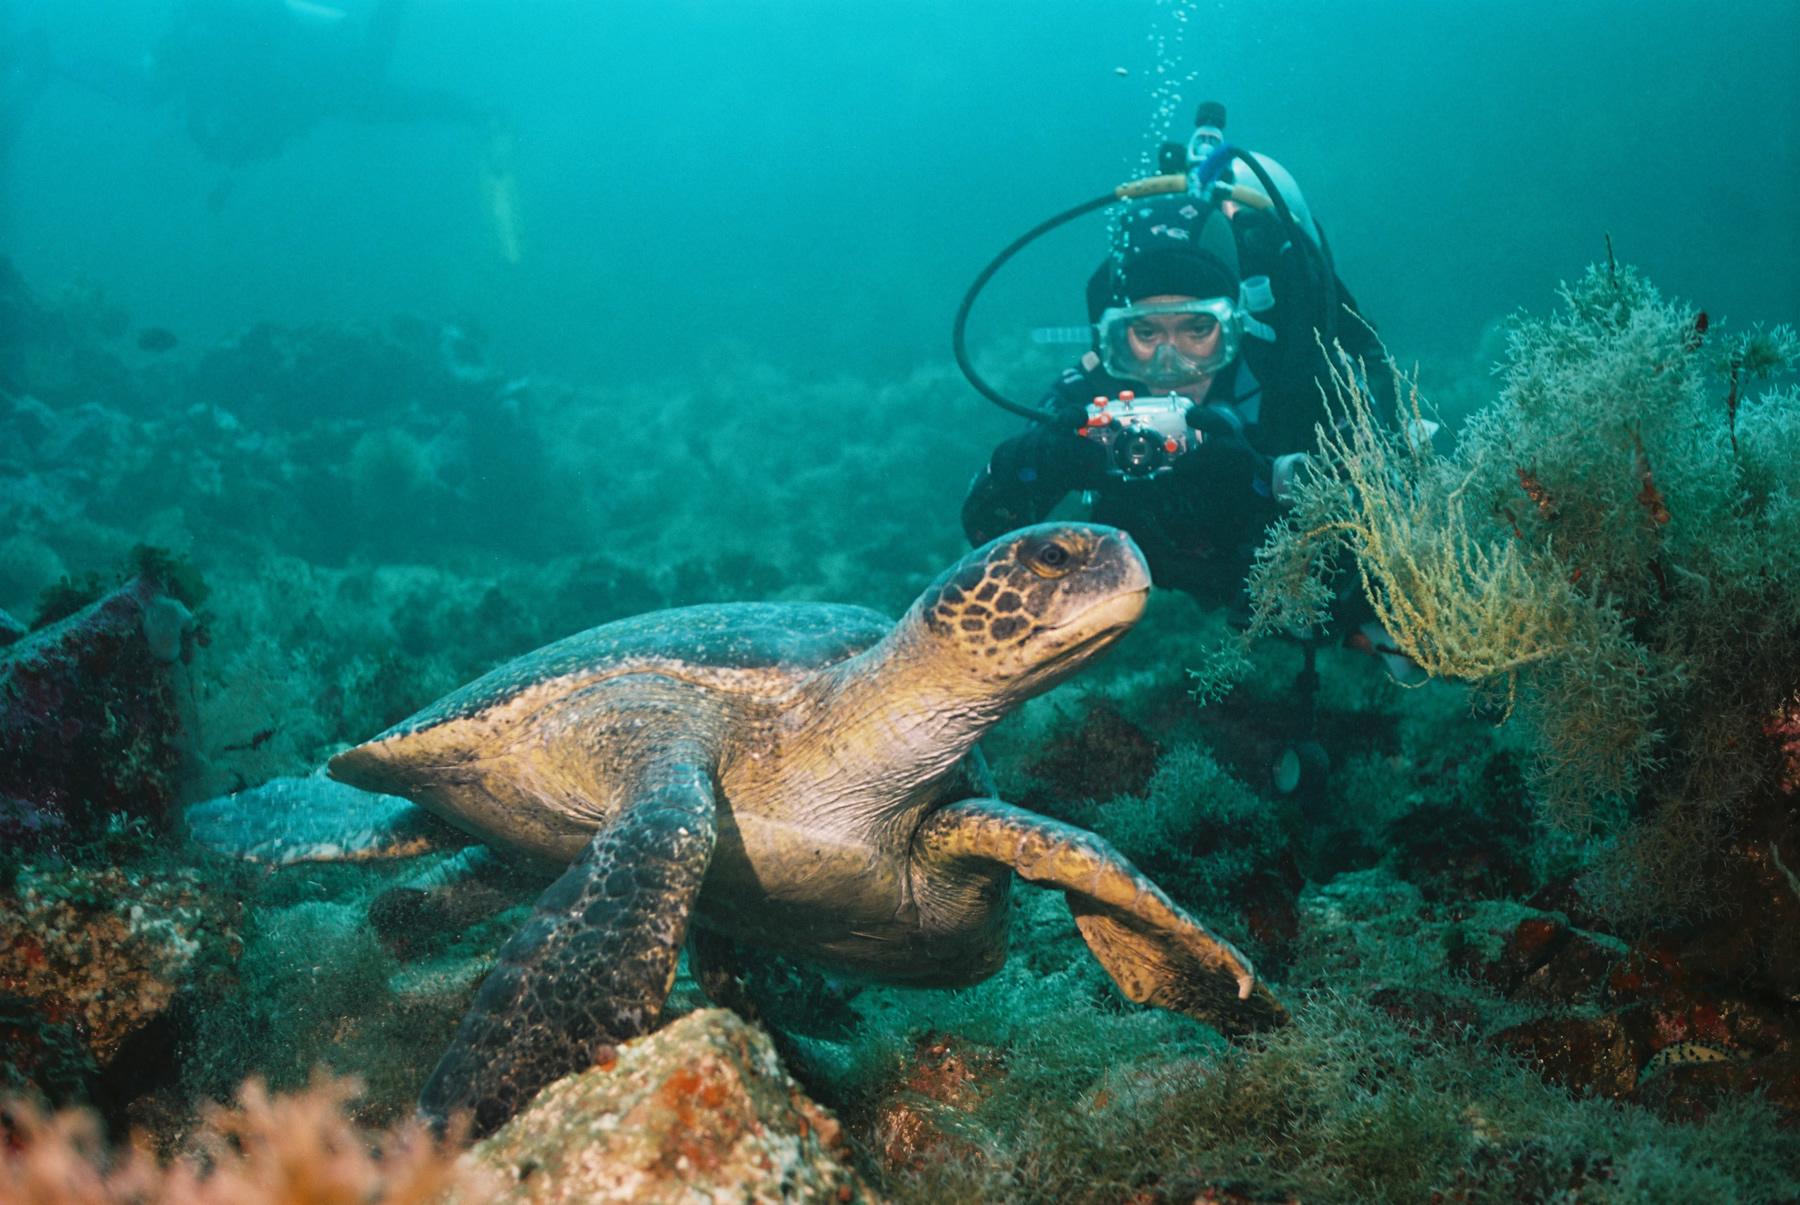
(1028, 474)
(1230, 478)
(1056, 454)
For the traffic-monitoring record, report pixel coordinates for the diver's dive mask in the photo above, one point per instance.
(1169, 344)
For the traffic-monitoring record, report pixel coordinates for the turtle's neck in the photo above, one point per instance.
(908, 706)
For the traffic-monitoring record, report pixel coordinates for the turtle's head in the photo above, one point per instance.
(1023, 612)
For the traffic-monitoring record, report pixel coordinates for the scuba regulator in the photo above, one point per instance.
(1200, 168)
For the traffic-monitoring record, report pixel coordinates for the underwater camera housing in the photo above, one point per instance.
(1143, 437)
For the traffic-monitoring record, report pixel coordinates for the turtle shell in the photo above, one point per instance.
(759, 648)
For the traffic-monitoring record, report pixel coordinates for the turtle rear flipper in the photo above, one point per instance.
(595, 962)
(1154, 951)
(316, 819)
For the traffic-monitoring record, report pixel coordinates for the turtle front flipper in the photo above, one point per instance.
(595, 962)
(1154, 951)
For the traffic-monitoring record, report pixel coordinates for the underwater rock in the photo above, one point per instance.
(1752, 941)
(156, 339)
(1590, 1056)
(55, 348)
(1563, 894)
(1740, 1028)
(1469, 848)
(1576, 970)
(1691, 1089)
(41, 1052)
(729, 577)
(1268, 898)
(699, 1110)
(274, 375)
(947, 1076)
(106, 952)
(1648, 968)
(26, 826)
(1663, 1016)
(1541, 958)
(1452, 854)
(290, 819)
(1524, 947)
(90, 722)
(27, 564)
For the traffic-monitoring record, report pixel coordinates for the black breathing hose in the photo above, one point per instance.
(959, 332)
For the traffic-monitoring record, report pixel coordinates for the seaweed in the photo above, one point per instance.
(177, 574)
(1607, 557)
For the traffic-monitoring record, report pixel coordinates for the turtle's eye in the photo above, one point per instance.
(1049, 559)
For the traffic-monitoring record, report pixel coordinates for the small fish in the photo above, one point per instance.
(255, 742)
(156, 339)
(1121, 71)
(1684, 1054)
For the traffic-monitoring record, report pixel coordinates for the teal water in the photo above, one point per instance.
(818, 178)
(653, 308)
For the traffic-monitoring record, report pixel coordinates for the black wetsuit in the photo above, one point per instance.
(1197, 524)
(1200, 524)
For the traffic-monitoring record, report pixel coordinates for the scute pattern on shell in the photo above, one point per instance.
(724, 636)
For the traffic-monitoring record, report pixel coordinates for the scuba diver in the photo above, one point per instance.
(1208, 301)
(248, 77)
(1168, 313)
(1194, 406)
(251, 75)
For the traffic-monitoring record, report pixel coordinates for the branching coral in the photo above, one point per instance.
(1461, 606)
(1464, 597)
(1613, 550)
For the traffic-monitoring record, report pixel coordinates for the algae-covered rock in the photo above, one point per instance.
(944, 1077)
(90, 721)
(699, 1110)
(106, 953)
(10, 629)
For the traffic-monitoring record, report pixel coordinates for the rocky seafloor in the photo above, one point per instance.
(221, 564)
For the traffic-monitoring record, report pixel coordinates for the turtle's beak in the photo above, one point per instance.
(1121, 584)
(1121, 610)
(1089, 633)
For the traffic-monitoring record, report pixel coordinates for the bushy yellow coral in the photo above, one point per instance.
(1612, 548)
(1460, 605)
(1465, 598)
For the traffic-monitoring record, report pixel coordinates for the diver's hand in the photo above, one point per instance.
(1062, 454)
(1228, 476)
(1213, 424)
(1220, 453)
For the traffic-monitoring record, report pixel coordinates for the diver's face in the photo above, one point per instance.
(1193, 337)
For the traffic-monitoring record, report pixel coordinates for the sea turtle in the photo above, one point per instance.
(789, 775)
